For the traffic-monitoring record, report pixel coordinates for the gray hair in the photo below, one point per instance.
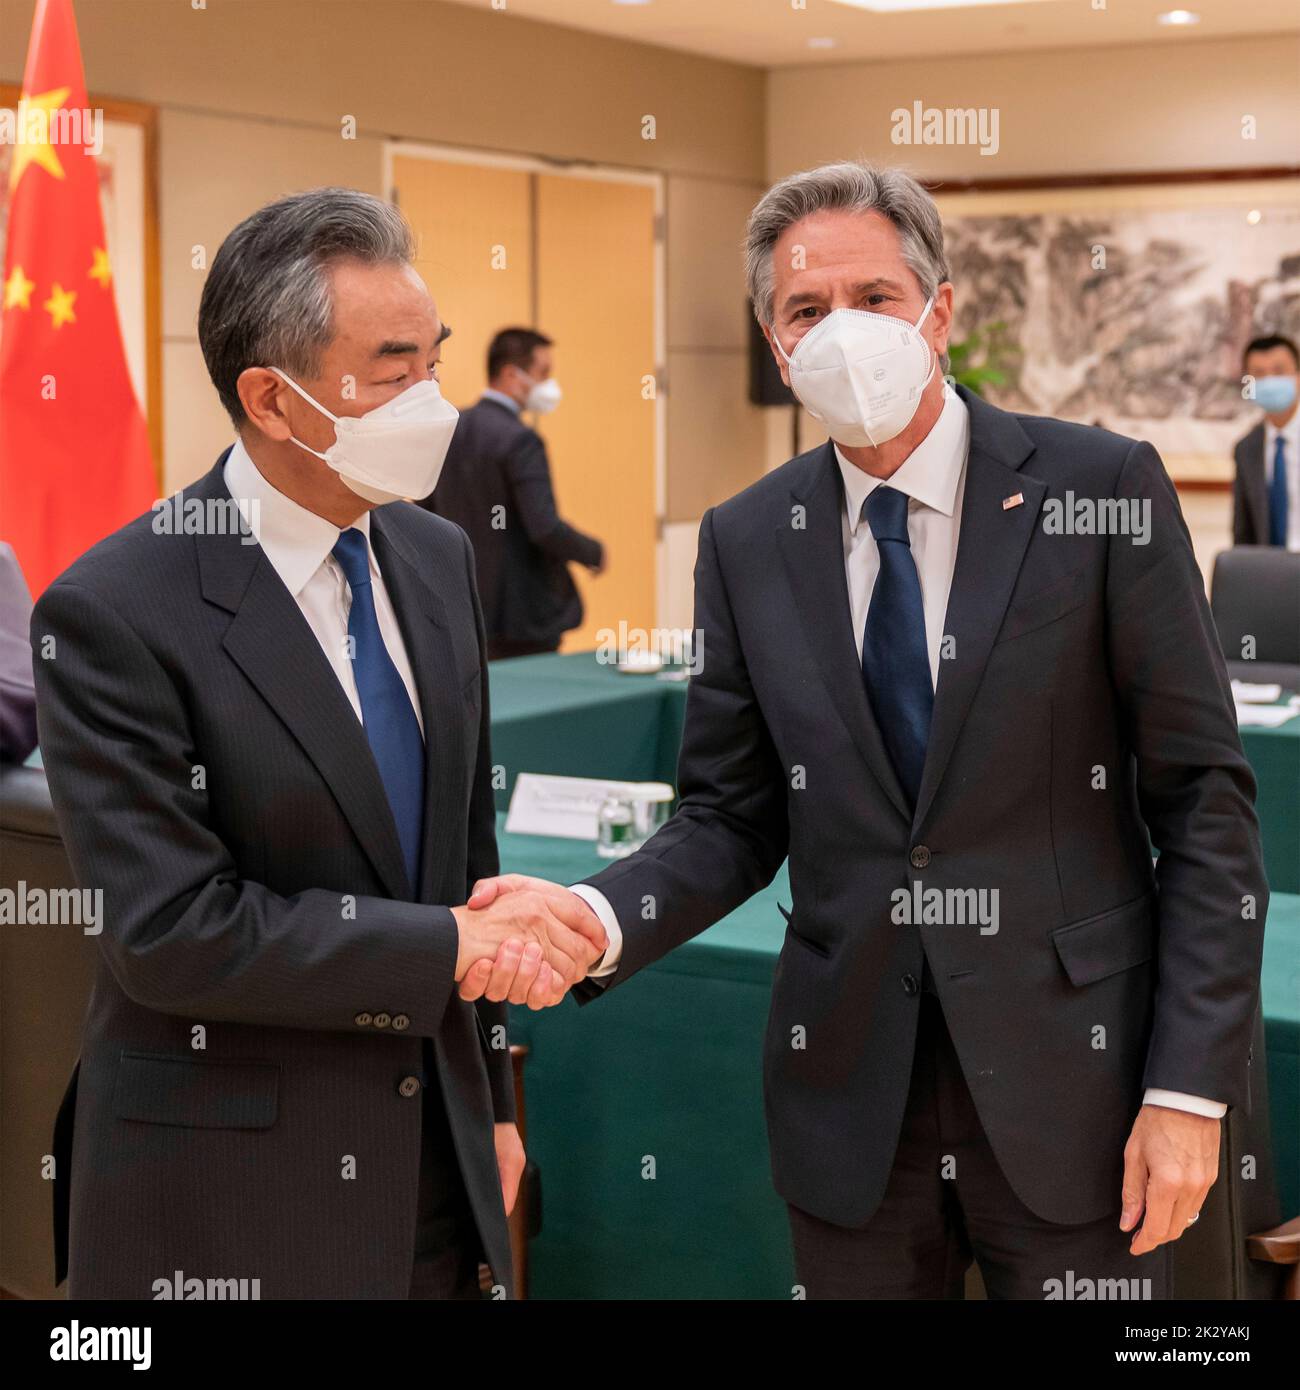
(853, 186)
(267, 300)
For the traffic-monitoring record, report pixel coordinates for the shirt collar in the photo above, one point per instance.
(295, 540)
(1289, 431)
(930, 473)
(501, 399)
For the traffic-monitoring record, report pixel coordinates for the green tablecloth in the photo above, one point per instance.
(571, 716)
(1275, 756)
(665, 1072)
(665, 1078)
(1280, 990)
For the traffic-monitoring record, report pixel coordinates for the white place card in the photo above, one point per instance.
(1246, 693)
(1264, 716)
(569, 807)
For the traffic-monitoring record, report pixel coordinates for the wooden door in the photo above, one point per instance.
(595, 279)
(474, 248)
(574, 258)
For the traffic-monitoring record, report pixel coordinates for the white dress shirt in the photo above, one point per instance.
(298, 545)
(933, 477)
(1290, 432)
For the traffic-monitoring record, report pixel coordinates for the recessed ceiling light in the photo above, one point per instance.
(822, 43)
(1253, 216)
(1178, 17)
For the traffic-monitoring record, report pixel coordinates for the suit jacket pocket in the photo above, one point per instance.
(1111, 941)
(161, 1089)
(1037, 610)
(795, 935)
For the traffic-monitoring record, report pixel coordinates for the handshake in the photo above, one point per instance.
(525, 940)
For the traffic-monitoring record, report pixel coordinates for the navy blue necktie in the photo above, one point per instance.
(895, 657)
(1277, 499)
(386, 710)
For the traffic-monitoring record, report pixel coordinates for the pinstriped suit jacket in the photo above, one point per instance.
(237, 1111)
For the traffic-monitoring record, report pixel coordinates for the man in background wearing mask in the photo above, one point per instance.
(496, 485)
(958, 687)
(264, 714)
(1266, 491)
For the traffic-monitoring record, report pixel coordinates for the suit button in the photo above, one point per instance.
(408, 1086)
(383, 1020)
(919, 857)
(909, 984)
(401, 1021)
(363, 1020)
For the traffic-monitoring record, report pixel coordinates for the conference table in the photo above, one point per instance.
(645, 1109)
(572, 715)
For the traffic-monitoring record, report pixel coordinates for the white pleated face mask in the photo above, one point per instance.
(396, 450)
(861, 374)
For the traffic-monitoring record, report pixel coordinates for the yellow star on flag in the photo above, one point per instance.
(18, 290)
(34, 115)
(101, 270)
(59, 305)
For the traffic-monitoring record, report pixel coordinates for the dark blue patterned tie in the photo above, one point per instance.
(386, 710)
(895, 658)
(1277, 498)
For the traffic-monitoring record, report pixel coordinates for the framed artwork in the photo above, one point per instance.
(127, 169)
(1125, 301)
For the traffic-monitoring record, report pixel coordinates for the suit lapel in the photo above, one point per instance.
(272, 643)
(413, 580)
(814, 560)
(990, 550)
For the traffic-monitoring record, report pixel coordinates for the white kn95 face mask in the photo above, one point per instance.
(396, 450)
(862, 374)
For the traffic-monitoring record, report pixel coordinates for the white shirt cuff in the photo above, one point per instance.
(599, 904)
(1176, 1100)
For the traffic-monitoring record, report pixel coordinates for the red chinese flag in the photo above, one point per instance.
(74, 450)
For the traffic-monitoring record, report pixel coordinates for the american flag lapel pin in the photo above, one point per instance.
(1015, 500)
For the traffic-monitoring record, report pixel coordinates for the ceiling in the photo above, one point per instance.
(774, 33)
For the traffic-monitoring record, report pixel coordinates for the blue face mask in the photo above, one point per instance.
(1274, 394)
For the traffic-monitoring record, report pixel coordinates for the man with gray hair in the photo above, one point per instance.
(266, 735)
(910, 683)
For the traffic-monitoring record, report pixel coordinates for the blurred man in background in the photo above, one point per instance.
(496, 484)
(1266, 491)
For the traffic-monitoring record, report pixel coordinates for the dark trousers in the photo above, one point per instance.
(947, 1203)
(447, 1245)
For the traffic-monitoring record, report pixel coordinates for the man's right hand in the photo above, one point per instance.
(526, 946)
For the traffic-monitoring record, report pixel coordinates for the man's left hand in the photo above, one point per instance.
(1170, 1163)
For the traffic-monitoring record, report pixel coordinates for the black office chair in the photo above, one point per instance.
(45, 978)
(1255, 598)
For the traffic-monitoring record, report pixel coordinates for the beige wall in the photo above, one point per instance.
(252, 96)
(1168, 106)
(1171, 105)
